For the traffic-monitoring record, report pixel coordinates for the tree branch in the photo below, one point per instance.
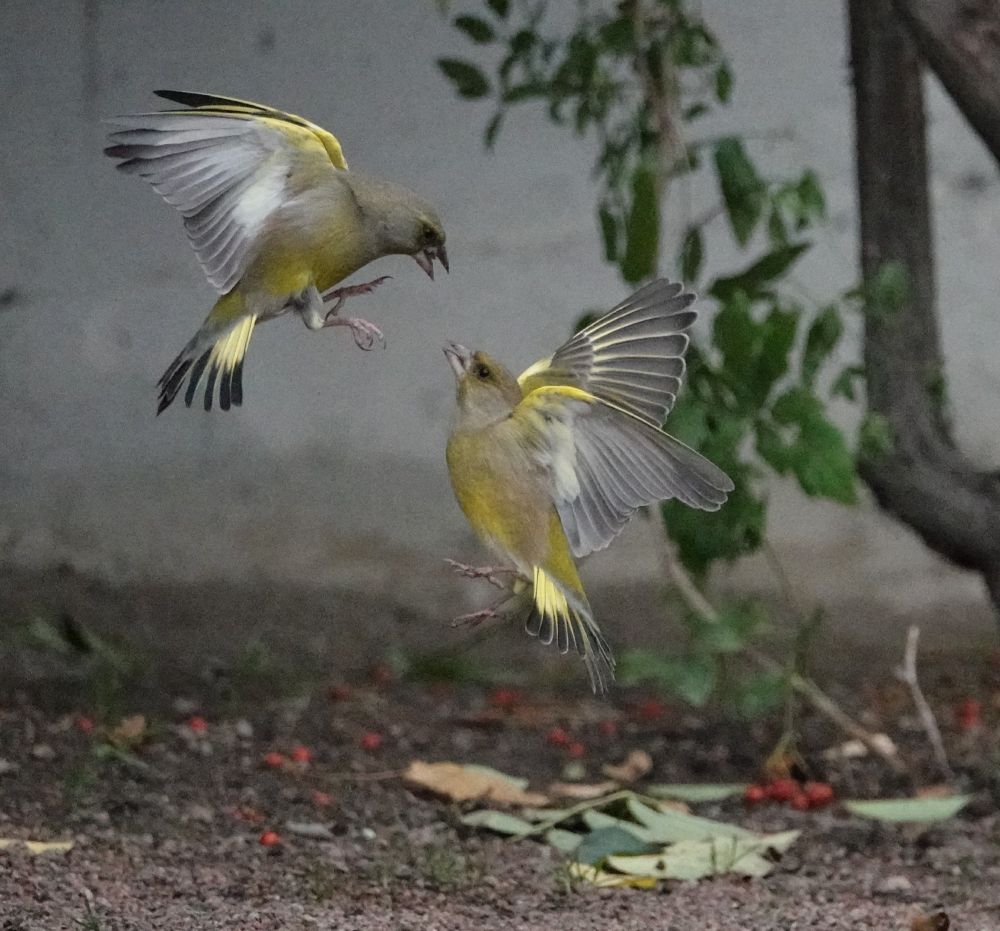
(923, 479)
(960, 40)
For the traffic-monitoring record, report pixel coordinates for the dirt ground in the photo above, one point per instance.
(167, 835)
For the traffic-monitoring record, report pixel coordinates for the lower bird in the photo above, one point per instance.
(276, 221)
(552, 464)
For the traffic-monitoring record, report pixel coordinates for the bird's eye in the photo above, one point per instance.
(429, 234)
(482, 371)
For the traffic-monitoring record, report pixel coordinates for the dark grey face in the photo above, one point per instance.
(431, 240)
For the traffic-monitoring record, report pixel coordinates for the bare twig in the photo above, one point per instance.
(907, 673)
(799, 683)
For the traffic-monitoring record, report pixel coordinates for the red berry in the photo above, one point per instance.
(84, 724)
(301, 754)
(505, 699)
(968, 714)
(651, 709)
(800, 802)
(782, 790)
(608, 728)
(322, 799)
(576, 750)
(558, 737)
(339, 692)
(818, 793)
(370, 740)
(755, 794)
(197, 724)
(270, 839)
(274, 760)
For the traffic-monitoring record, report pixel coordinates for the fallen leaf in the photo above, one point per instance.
(130, 732)
(470, 783)
(691, 860)
(564, 841)
(939, 921)
(311, 829)
(912, 810)
(668, 827)
(604, 879)
(600, 845)
(855, 749)
(37, 846)
(697, 792)
(581, 790)
(499, 821)
(636, 765)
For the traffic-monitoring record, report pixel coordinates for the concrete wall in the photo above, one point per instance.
(335, 462)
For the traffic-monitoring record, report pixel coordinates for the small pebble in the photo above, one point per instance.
(894, 884)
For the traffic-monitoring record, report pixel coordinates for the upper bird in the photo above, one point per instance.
(276, 220)
(553, 463)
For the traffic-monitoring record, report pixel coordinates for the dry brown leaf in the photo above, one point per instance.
(37, 846)
(130, 732)
(636, 765)
(470, 784)
(582, 791)
(939, 921)
(855, 749)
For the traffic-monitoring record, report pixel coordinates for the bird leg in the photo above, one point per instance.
(489, 573)
(365, 334)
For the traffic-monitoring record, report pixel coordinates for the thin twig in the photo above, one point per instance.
(907, 673)
(803, 685)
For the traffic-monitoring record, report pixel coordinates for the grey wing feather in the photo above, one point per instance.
(633, 356)
(623, 464)
(225, 175)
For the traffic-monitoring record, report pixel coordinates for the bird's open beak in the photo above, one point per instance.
(459, 358)
(425, 259)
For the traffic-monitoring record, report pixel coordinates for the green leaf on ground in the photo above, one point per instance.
(912, 810)
(695, 792)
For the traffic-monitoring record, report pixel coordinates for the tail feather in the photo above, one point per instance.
(221, 359)
(565, 618)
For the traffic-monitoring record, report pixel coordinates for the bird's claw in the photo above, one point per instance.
(489, 573)
(365, 334)
(339, 295)
(475, 618)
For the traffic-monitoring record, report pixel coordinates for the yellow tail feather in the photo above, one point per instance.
(566, 620)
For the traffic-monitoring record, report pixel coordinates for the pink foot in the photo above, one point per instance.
(475, 618)
(365, 334)
(490, 573)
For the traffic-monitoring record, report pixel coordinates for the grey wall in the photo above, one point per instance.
(336, 459)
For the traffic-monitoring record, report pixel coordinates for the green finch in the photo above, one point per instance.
(551, 464)
(276, 221)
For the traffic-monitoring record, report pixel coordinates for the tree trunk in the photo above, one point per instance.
(922, 480)
(960, 40)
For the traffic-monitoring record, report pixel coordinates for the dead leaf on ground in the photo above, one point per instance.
(939, 921)
(130, 732)
(581, 790)
(471, 783)
(37, 846)
(637, 764)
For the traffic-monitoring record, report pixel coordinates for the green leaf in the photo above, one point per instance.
(692, 254)
(598, 845)
(777, 336)
(669, 827)
(796, 406)
(843, 385)
(564, 841)
(888, 290)
(771, 446)
(691, 678)
(743, 190)
(811, 199)
(824, 334)
(493, 130)
(723, 83)
(642, 229)
(735, 333)
(480, 31)
(609, 232)
(500, 8)
(875, 438)
(823, 464)
(469, 81)
(618, 35)
(760, 693)
(753, 279)
(913, 810)
(499, 821)
(695, 792)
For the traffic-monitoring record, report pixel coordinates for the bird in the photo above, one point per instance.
(551, 464)
(276, 220)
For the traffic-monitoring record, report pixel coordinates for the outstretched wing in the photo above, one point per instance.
(226, 165)
(605, 463)
(632, 357)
